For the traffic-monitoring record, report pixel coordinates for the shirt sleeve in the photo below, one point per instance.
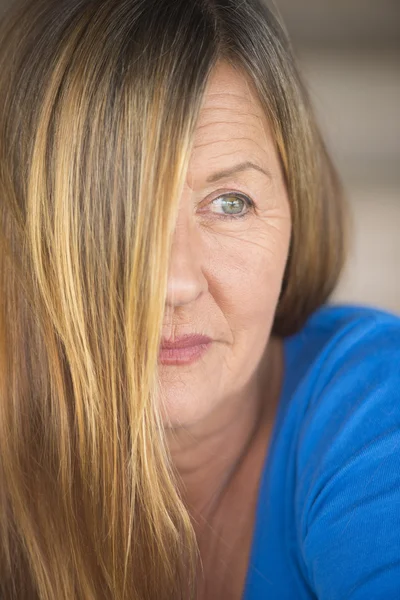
(348, 465)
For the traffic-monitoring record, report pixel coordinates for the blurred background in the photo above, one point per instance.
(349, 53)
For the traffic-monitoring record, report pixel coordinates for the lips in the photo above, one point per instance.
(184, 350)
(185, 341)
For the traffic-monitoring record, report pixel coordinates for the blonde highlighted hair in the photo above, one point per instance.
(99, 101)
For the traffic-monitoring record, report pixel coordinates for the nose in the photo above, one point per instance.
(186, 280)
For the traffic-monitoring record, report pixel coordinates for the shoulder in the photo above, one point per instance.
(348, 452)
(341, 344)
(338, 329)
(351, 368)
(343, 354)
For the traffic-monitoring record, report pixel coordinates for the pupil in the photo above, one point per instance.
(231, 203)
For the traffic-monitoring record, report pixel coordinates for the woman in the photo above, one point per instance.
(182, 413)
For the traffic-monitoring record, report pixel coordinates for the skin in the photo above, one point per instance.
(224, 281)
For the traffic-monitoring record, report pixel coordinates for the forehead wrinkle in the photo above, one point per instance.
(225, 141)
(192, 168)
(209, 130)
(230, 109)
(227, 106)
(219, 94)
(210, 123)
(251, 119)
(249, 96)
(225, 101)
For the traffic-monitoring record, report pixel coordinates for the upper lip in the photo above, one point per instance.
(185, 341)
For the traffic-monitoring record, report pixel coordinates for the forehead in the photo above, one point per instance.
(231, 121)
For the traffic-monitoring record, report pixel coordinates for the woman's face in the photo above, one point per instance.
(228, 258)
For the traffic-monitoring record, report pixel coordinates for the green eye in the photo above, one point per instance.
(232, 206)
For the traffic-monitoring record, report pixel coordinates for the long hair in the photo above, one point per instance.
(99, 101)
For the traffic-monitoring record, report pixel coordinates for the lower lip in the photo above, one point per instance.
(183, 356)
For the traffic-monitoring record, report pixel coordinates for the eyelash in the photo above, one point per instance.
(248, 201)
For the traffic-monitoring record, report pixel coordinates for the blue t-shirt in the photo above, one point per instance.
(328, 511)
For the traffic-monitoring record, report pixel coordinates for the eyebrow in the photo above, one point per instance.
(244, 166)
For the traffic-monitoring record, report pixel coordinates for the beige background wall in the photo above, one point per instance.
(349, 52)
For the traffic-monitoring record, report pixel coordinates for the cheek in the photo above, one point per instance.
(246, 286)
(246, 271)
(244, 267)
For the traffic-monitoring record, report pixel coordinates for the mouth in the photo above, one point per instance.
(184, 350)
